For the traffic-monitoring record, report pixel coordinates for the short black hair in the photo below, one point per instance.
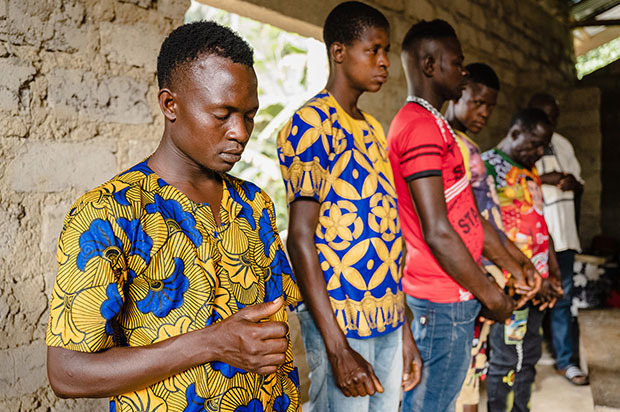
(194, 40)
(348, 21)
(431, 30)
(483, 74)
(529, 118)
(539, 100)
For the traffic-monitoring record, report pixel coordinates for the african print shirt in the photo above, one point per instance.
(521, 202)
(139, 262)
(341, 162)
(482, 184)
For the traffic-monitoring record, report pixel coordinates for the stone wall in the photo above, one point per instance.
(78, 104)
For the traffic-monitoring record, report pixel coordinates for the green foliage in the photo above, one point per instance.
(597, 58)
(285, 82)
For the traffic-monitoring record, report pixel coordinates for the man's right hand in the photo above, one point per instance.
(249, 343)
(354, 376)
(497, 305)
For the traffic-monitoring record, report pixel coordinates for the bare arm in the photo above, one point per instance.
(450, 251)
(354, 376)
(239, 340)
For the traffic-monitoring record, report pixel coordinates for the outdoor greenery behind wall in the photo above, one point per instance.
(290, 69)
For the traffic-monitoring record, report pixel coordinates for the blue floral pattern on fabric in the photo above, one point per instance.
(246, 210)
(121, 197)
(141, 243)
(95, 241)
(167, 294)
(171, 209)
(265, 231)
(225, 369)
(194, 402)
(281, 403)
(111, 307)
(253, 406)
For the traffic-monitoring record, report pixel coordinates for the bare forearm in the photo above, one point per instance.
(125, 369)
(454, 258)
(496, 251)
(310, 279)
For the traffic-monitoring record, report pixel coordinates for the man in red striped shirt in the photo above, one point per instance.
(443, 230)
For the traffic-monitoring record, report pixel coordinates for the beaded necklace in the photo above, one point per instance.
(442, 122)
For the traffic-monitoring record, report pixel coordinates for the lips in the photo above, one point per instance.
(232, 156)
(382, 78)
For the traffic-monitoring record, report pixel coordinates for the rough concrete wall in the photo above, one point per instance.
(607, 80)
(77, 104)
(580, 122)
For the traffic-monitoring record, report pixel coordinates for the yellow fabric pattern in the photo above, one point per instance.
(139, 263)
(342, 163)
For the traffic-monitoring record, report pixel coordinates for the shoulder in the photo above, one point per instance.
(247, 192)
(112, 197)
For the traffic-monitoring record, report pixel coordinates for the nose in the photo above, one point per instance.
(384, 59)
(240, 129)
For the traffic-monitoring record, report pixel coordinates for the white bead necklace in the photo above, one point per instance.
(442, 122)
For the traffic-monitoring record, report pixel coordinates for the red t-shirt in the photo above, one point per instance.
(420, 146)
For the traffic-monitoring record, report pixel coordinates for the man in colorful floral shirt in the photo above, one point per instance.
(172, 277)
(516, 346)
(344, 234)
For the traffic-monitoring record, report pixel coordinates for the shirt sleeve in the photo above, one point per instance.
(88, 292)
(304, 146)
(422, 150)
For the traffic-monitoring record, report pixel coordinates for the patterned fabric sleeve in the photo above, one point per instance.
(421, 151)
(282, 281)
(304, 145)
(88, 292)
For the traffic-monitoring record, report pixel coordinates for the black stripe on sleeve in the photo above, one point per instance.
(425, 173)
(418, 155)
(422, 146)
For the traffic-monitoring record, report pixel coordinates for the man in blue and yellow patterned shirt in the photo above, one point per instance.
(344, 235)
(172, 277)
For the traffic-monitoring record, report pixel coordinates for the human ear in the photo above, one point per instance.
(428, 65)
(167, 104)
(336, 51)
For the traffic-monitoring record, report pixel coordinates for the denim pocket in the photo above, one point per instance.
(467, 312)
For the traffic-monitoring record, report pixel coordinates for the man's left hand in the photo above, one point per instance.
(412, 361)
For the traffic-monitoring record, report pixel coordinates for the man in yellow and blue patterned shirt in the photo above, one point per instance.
(344, 235)
(172, 277)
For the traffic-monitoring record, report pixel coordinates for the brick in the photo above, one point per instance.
(13, 84)
(22, 368)
(111, 99)
(397, 5)
(145, 4)
(139, 149)
(10, 215)
(55, 166)
(133, 45)
(52, 219)
(422, 10)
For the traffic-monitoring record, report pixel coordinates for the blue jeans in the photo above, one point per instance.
(561, 318)
(443, 333)
(383, 352)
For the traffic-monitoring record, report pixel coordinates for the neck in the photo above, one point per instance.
(346, 96)
(454, 121)
(505, 146)
(176, 168)
(425, 90)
